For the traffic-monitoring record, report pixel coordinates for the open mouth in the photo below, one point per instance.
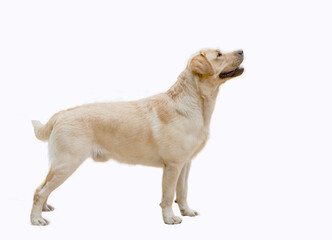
(235, 73)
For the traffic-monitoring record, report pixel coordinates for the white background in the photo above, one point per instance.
(266, 170)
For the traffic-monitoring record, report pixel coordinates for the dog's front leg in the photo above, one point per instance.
(170, 177)
(181, 192)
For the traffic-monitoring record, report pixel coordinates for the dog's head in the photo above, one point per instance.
(217, 66)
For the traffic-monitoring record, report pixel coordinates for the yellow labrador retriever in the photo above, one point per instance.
(166, 130)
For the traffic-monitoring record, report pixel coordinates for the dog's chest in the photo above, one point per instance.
(196, 136)
(193, 136)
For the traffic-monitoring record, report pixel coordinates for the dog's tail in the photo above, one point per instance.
(43, 132)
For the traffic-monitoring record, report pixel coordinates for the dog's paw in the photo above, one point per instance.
(39, 221)
(189, 212)
(172, 220)
(47, 208)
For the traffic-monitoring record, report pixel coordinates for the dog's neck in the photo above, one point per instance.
(193, 91)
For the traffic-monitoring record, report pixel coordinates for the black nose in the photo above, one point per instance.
(240, 52)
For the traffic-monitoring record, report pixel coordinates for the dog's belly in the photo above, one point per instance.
(152, 159)
(131, 146)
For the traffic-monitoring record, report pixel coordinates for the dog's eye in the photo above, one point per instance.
(219, 55)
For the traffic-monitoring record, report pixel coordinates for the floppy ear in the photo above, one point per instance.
(201, 65)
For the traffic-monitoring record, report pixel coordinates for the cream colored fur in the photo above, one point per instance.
(166, 130)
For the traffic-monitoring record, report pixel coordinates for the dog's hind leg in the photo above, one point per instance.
(63, 165)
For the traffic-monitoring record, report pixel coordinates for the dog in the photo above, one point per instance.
(166, 130)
